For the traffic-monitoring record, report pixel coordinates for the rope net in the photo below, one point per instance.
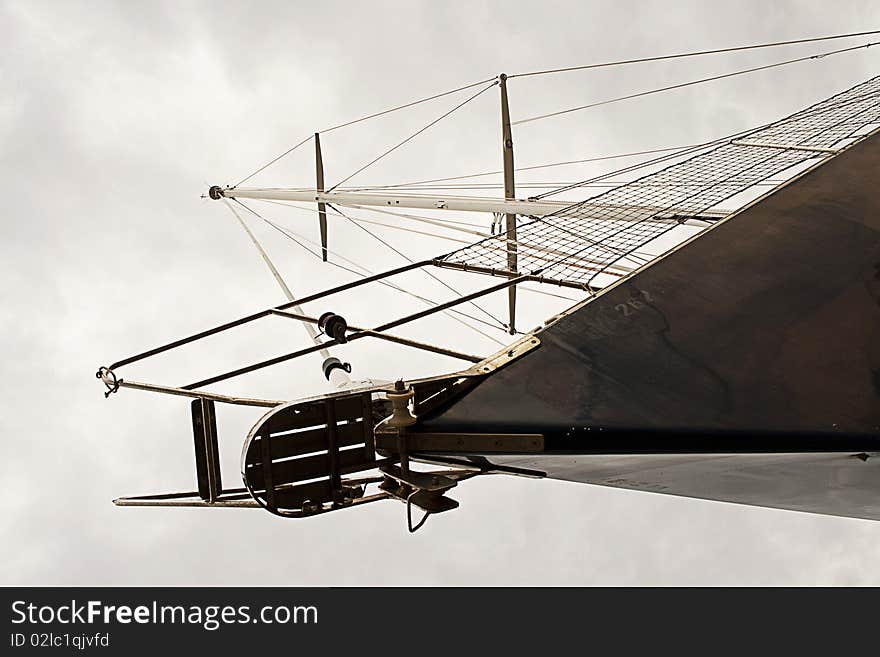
(596, 241)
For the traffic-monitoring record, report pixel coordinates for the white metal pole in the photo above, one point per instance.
(456, 203)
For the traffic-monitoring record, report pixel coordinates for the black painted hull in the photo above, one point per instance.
(759, 337)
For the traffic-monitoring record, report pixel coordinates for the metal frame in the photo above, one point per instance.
(233, 498)
(390, 338)
(107, 374)
(410, 487)
(358, 334)
(266, 313)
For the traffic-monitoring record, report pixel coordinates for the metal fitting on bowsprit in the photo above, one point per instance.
(334, 363)
(333, 325)
(401, 416)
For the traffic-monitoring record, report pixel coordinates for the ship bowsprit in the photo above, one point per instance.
(743, 365)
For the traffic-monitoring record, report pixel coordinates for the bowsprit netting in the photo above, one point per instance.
(598, 240)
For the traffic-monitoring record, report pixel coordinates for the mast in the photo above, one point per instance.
(509, 194)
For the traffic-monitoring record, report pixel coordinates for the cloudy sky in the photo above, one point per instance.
(114, 119)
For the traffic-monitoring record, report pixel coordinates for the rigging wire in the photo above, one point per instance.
(450, 225)
(270, 163)
(697, 147)
(529, 168)
(529, 185)
(400, 107)
(397, 214)
(481, 235)
(443, 223)
(462, 186)
(411, 230)
(549, 71)
(425, 271)
(365, 118)
(295, 237)
(513, 243)
(415, 134)
(310, 330)
(635, 167)
(693, 82)
(692, 54)
(835, 128)
(367, 272)
(415, 231)
(491, 186)
(554, 164)
(677, 153)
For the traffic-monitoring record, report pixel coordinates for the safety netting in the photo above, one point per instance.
(598, 240)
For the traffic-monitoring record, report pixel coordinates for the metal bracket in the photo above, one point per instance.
(508, 355)
(425, 490)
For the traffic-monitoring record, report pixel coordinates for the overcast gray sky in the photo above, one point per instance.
(114, 119)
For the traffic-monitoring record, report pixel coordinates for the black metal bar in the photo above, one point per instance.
(347, 286)
(390, 338)
(268, 311)
(358, 335)
(268, 363)
(191, 338)
(208, 476)
(454, 302)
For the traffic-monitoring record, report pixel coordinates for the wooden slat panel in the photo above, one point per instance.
(312, 413)
(295, 417)
(348, 408)
(304, 442)
(312, 467)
